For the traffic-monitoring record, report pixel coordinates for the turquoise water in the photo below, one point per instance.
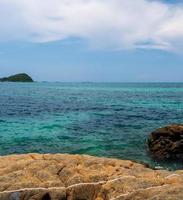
(103, 119)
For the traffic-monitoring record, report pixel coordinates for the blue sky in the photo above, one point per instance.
(95, 41)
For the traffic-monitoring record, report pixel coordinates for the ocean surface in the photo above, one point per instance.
(102, 119)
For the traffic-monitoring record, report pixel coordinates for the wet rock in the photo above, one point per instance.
(167, 142)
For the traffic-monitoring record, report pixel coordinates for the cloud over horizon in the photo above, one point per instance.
(117, 24)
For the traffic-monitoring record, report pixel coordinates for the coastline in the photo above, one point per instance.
(73, 177)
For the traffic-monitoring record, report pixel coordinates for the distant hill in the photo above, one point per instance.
(23, 77)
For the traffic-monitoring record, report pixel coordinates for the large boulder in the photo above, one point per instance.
(167, 142)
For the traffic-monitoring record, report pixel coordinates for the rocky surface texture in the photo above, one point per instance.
(167, 142)
(76, 177)
(17, 78)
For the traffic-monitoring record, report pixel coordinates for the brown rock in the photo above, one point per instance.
(167, 142)
(76, 177)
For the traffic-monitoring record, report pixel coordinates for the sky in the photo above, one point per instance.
(92, 40)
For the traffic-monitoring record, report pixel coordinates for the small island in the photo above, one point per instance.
(22, 77)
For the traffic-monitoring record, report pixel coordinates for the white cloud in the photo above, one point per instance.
(113, 24)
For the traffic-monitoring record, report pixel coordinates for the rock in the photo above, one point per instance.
(17, 78)
(167, 142)
(34, 194)
(80, 177)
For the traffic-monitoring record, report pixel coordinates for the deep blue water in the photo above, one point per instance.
(103, 119)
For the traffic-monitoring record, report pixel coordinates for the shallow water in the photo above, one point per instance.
(103, 119)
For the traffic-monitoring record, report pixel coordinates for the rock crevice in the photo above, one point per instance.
(77, 177)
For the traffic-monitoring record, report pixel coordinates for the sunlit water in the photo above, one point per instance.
(103, 119)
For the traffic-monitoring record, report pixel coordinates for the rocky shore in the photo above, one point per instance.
(77, 177)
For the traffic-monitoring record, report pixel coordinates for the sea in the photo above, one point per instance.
(102, 119)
